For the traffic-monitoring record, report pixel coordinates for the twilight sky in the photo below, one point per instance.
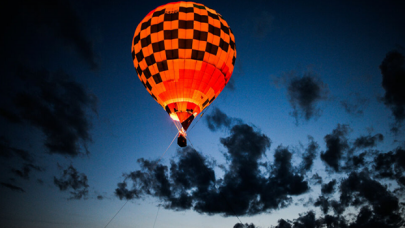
(310, 131)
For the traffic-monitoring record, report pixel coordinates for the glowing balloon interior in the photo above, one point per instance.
(184, 54)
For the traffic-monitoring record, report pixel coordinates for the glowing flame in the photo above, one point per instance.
(174, 117)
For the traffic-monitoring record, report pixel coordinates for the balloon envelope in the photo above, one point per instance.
(184, 54)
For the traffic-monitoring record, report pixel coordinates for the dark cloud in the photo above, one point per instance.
(390, 165)
(218, 120)
(191, 172)
(231, 84)
(43, 21)
(243, 190)
(283, 224)
(316, 179)
(76, 182)
(364, 219)
(329, 188)
(323, 203)
(10, 116)
(359, 189)
(356, 161)
(241, 225)
(12, 187)
(393, 81)
(26, 169)
(262, 23)
(337, 145)
(6, 151)
(310, 154)
(309, 220)
(367, 218)
(355, 105)
(304, 94)
(368, 141)
(56, 105)
(306, 221)
(338, 208)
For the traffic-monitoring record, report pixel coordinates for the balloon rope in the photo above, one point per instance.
(152, 169)
(116, 213)
(228, 203)
(200, 117)
(156, 216)
(164, 152)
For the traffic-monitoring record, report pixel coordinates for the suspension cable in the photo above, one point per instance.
(152, 169)
(156, 216)
(204, 111)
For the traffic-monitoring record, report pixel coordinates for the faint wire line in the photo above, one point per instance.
(151, 169)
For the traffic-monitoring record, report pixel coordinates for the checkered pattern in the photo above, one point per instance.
(184, 53)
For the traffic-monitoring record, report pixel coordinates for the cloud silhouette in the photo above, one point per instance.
(12, 187)
(241, 225)
(6, 151)
(393, 81)
(391, 165)
(218, 120)
(304, 93)
(40, 19)
(309, 155)
(243, 190)
(355, 105)
(368, 141)
(25, 171)
(73, 180)
(329, 188)
(358, 189)
(337, 145)
(58, 106)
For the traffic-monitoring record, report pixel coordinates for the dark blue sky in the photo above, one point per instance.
(315, 105)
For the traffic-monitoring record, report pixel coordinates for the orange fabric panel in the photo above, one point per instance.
(184, 52)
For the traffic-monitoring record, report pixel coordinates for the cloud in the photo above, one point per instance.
(45, 20)
(393, 81)
(262, 23)
(283, 224)
(231, 83)
(309, 155)
(337, 145)
(190, 182)
(6, 151)
(306, 220)
(12, 187)
(24, 173)
(329, 188)
(304, 93)
(316, 179)
(241, 225)
(56, 105)
(218, 120)
(366, 218)
(390, 165)
(322, 202)
(355, 105)
(73, 180)
(376, 207)
(359, 189)
(368, 141)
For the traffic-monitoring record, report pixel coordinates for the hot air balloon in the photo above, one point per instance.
(184, 54)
